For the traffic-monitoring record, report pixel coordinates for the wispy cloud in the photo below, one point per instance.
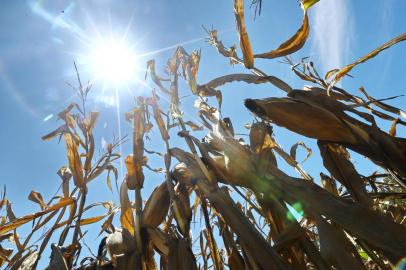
(386, 32)
(331, 33)
(386, 17)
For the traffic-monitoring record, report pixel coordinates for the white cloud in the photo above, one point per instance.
(386, 18)
(331, 33)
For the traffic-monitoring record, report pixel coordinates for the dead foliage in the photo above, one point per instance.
(343, 220)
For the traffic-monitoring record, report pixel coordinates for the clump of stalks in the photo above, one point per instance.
(343, 220)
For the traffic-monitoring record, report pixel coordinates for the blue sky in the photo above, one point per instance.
(39, 40)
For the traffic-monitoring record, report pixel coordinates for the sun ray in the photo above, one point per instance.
(119, 130)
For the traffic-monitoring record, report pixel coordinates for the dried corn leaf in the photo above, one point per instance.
(158, 118)
(58, 132)
(322, 202)
(208, 233)
(65, 174)
(75, 164)
(127, 216)
(343, 71)
(57, 260)
(248, 78)
(181, 209)
(295, 43)
(329, 184)
(261, 143)
(8, 236)
(27, 262)
(302, 118)
(330, 73)
(149, 258)
(193, 126)
(5, 253)
(90, 152)
(285, 232)
(382, 105)
(352, 217)
(244, 39)
(264, 254)
(336, 160)
(308, 3)
(133, 169)
(37, 198)
(83, 222)
(10, 213)
(91, 122)
(188, 172)
(155, 78)
(336, 248)
(192, 69)
(107, 225)
(160, 240)
(239, 169)
(135, 176)
(181, 256)
(25, 219)
(288, 236)
(294, 147)
(108, 182)
(3, 202)
(87, 221)
(156, 207)
(235, 260)
(392, 131)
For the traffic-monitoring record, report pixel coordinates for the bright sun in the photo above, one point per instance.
(113, 62)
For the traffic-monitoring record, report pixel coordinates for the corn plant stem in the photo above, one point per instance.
(167, 173)
(65, 231)
(83, 192)
(212, 244)
(138, 221)
(45, 242)
(266, 255)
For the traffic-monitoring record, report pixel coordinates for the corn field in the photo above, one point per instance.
(344, 220)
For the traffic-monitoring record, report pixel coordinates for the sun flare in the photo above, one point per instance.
(113, 62)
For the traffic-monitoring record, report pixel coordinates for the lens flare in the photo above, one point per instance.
(113, 62)
(401, 265)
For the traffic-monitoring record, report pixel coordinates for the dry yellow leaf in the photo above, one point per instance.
(341, 73)
(293, 44)
(37, 198)
(87, 221)
(156, 207)
(244, 39)
(25, 219)
(127, 216)
(75, 164)
(308, 3)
